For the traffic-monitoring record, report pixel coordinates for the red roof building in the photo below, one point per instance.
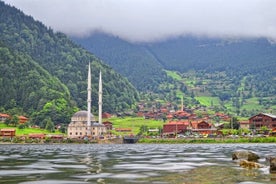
(56, 136)
(202, 127)
(174, 127)
(106, 115)
(3, 117)
(7, 132)
(108, 125)
(22, 119)
(123, 129)
(169, 116)
(263, 119)
(36, 136)
(182, 115)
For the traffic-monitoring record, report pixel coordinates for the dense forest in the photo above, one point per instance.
(45, 73)
(236, 75)
(134, 62)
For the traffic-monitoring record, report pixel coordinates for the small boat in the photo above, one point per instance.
(130, 139)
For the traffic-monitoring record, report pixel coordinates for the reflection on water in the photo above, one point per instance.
(123, 163)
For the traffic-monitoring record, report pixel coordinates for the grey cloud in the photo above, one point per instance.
(150, 20)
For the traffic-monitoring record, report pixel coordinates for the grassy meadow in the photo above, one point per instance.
(208, 100)
(26, 131)
(134, 123)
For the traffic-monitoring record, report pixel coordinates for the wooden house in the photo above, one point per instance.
(22, 119)
(36, 136)
(262, 120)
(108, 125)
(7, 132)
(3, 117)
(174, 127)
(202, 127)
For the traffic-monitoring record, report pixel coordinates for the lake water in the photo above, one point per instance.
(130, 163)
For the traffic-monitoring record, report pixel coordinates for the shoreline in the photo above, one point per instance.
(147, 141)
(209, 140)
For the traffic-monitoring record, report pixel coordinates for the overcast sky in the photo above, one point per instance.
(150, 20)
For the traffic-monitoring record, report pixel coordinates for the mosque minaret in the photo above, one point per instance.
(89, 97)
(83, 123)
(100, 98)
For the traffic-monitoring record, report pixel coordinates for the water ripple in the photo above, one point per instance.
(137, 163)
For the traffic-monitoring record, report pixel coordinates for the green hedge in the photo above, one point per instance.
(210, 140)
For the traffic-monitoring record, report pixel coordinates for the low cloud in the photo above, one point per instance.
(151, 20)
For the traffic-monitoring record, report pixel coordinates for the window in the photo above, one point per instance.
(76, 133)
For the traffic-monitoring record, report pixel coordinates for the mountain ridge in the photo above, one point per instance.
(232, 70)
(66, 62)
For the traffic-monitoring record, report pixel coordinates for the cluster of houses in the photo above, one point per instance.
(186, 121)
(10, 132)
(181, 123)
(255, 123)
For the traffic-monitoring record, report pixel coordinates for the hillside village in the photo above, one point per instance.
(186, 121)
(175, 124)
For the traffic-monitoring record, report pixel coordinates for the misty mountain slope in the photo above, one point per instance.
(252, 61)
(247, 65)
(63, 60)
(133, 61)
(186, 53)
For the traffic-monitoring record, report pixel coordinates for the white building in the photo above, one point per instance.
(82, 123)
(78, 126)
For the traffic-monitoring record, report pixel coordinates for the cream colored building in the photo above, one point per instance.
(83, 124)
(78, 127)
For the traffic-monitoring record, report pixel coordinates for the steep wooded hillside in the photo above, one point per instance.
(239, 73)
(50, 63)
(186, 53)
(133, 61)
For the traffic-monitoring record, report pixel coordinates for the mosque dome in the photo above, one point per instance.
(82, 116)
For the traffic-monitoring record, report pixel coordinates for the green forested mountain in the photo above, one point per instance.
(133, 61)
(251, 60)
(235, 75)
(41, 70)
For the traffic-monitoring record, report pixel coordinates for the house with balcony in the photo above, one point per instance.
(260, 120)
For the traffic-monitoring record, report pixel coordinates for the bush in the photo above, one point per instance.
(21, 126)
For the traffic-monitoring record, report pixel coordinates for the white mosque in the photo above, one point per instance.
(83, 123)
